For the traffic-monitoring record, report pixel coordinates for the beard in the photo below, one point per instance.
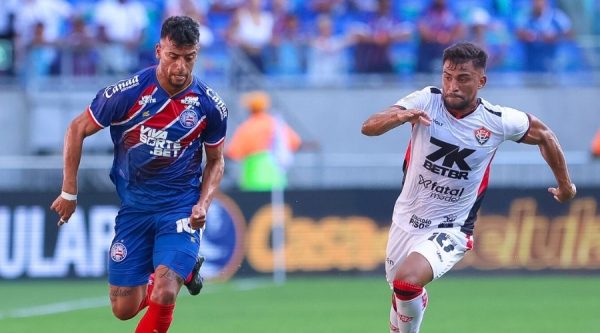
(459, 103)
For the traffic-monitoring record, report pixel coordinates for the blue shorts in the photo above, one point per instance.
(145, 240)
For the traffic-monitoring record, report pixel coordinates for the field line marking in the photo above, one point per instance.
(96, 302)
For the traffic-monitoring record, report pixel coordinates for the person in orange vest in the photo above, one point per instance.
(596, 145)
(263, 144)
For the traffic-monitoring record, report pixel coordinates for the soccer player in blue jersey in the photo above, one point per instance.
(161, 119)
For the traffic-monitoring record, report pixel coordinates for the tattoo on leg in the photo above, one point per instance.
(121, 292)
(171, 275)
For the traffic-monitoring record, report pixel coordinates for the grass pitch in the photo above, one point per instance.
(324, 304)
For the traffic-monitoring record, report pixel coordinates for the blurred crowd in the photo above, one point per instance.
(321, 40)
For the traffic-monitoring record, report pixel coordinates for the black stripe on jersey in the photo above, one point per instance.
(527, 131)
(469, 225)
(435, 90)
(496, 113)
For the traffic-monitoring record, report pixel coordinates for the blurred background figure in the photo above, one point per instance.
(490, 34)
(372, 52)
(39, 27)
(80, 49)
(327, 62)
(438, 27)
(263, 144)
(251, 31)
(7, 36)
(541, 29)
(121, 25)
(596, 145)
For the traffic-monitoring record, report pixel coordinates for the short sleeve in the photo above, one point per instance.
(515, 124)
(416, 100)
(216, 118)
(107, 107)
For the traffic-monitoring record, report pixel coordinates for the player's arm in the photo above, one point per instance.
(392, 117)
(211, 178)
(541, 135)
(81, 127)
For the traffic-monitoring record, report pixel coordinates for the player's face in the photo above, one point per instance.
(175, 63)
(460, 84)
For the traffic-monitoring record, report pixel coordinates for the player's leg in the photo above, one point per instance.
(130, 264)
(175, 256)
(409, 298)
(430, 257)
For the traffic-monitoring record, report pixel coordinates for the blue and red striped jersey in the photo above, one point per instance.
(158, 139)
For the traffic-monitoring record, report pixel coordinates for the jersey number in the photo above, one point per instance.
(442, 240)
(184, 225)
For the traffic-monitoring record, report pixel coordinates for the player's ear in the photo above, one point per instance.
(157, 50)
(482, 81)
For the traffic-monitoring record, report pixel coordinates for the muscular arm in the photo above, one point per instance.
(542, 136)
(211, 178)
(390, 118)
(78, 130)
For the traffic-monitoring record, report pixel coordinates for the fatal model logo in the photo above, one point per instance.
(188, 118)
(222, 242)
(482, 135)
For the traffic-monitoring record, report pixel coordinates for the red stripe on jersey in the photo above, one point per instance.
(486, 177)
(407, 155)
(194, 133)
(137, 106)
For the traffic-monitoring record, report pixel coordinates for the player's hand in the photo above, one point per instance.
(563, 194)
(64, 208)
(198, 217)
(414, 116)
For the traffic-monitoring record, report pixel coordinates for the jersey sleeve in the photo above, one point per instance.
(515, 124)
(416, 100)
(216, 126)
(107, 107)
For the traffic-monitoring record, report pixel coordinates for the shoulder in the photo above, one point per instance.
(129, 86)
(211, 97)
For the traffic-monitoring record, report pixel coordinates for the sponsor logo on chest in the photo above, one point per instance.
(157, 140)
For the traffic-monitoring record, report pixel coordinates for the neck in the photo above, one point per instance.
(460, 113)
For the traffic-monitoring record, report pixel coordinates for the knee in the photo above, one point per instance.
(406, 290)
(163, 295)
(123, 312)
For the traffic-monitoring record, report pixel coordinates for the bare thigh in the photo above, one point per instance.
(125, 301)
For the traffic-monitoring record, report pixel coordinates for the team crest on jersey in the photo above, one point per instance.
(188, 118)
(482, 135)
(118, 252)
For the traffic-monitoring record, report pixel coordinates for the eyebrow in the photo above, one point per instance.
(183, 55)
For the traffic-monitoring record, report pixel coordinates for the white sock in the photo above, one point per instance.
(409, 314)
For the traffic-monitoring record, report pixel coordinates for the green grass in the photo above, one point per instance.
(457, 304)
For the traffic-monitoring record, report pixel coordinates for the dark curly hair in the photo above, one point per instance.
(181, 30)
(461, 53)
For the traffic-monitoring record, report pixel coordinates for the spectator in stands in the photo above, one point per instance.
(489, 34)
(439, 27)
(7, 35)
(81, 47)
(541, 29)
(39, 25)
(375, 39)
(121, 26)
(289, 47)
(327, 63)
(264, 144)
(195, 9)
(226, 6)
(252, 30)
